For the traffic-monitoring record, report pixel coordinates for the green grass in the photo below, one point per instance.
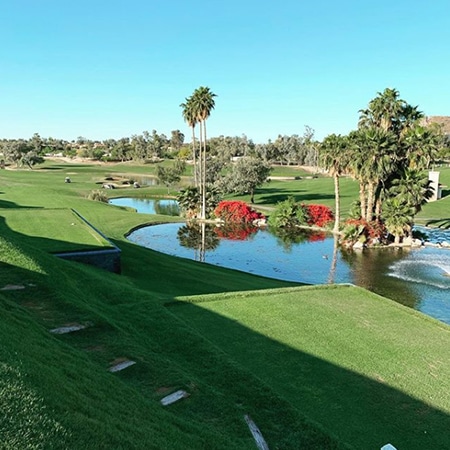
(76, 403)
(370, 370)
(59, 230)
(315, 368)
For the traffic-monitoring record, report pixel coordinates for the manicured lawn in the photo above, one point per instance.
(315, 368)
(367, 369)
(58, 230)
(437, 214)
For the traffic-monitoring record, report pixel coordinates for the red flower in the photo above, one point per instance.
(319, 215)
(236, 211)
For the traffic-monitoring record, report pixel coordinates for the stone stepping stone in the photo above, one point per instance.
(12, 287)
(256, 433)
(121, 365)
(68, 329)
(174, 397)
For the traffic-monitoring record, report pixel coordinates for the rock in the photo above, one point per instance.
(358, 245)
(256, 433)
(416, 243)
(12, 287)
(174, 397)
(121, 365)
(68, 329)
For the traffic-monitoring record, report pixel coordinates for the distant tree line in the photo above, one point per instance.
(153, 146)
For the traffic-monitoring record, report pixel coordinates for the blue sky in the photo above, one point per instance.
(111, 69)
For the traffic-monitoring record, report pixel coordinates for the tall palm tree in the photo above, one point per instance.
(383, 112)
(190, 116)
(333, 155)
(373, 160)
(203, 103)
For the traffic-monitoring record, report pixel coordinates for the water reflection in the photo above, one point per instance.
(372, 269)
(196, 236)
(149, 205)
(414, 277)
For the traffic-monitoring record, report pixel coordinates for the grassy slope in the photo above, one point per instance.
(370, 370)
(130, 320)
(58, 393)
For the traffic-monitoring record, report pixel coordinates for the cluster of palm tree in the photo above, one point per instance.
(196, 110)
(388, 154)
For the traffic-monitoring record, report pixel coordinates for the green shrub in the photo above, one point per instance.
(288, 214)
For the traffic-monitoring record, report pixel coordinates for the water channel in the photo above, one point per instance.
(418, 278)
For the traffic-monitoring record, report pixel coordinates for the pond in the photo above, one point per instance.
(418, 278)
(149, 205)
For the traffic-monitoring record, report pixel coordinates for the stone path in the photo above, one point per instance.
(256, 433)
(174, 397)
(12, 287)
(69, 328)
(117, 367)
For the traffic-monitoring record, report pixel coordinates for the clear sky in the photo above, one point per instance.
(110, 69)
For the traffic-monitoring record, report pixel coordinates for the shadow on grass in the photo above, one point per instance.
(183, 276)
(441, 223)
(11, 205)
(360, 411)
(272, 196)
(268, 375)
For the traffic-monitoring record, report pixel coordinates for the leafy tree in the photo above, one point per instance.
(37, 144)
(121, 150)
(170, 175)
(176, 140)
(245, 176)
(225, 148)
(21, 152)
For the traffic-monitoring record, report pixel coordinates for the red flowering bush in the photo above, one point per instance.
(236, 212)
(319, 215)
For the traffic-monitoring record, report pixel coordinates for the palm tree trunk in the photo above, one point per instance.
(204, 172)
(378, 208)
(332, 273)
(337, 212)
(362, 198)
(370, 200)
(194, 157)
(200, 169)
